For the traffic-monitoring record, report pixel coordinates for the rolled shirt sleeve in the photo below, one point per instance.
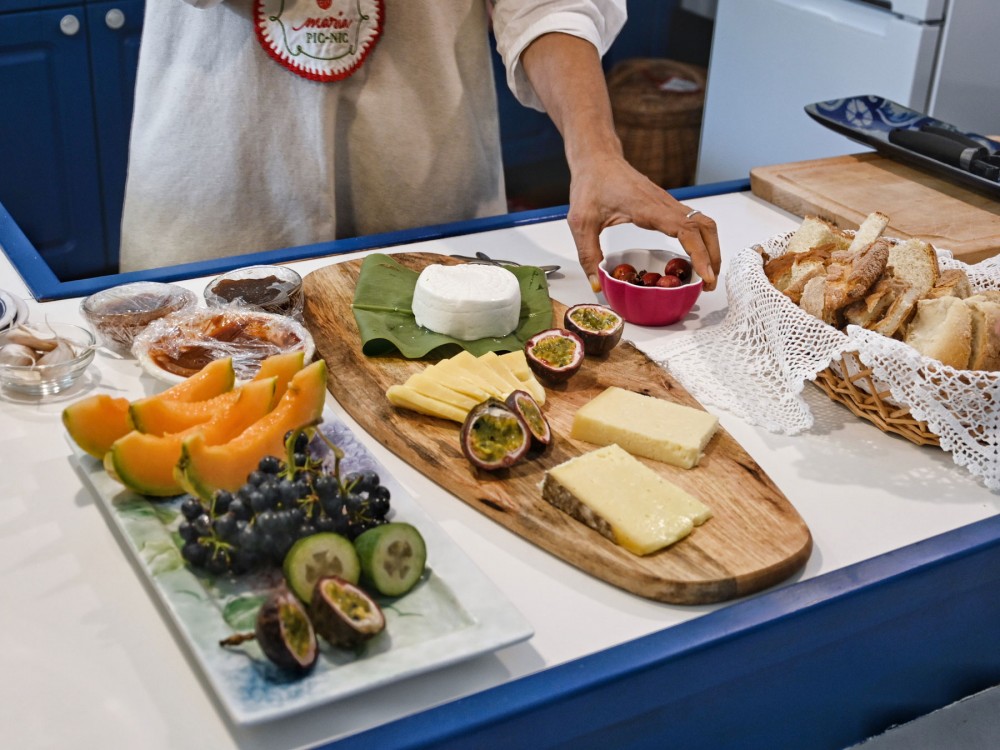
(517, 23)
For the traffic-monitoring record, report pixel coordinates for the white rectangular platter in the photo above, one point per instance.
(453, 614)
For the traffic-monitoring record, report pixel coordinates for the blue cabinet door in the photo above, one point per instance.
(48, 160)
(115, 28)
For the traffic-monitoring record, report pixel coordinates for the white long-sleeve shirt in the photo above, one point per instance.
(232, 153)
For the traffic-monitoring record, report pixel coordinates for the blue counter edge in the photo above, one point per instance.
(823, 663)
(45, 286)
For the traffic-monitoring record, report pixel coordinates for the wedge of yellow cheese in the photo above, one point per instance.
(408, 398)
(646, 426)
(515, 382)
(617, 495)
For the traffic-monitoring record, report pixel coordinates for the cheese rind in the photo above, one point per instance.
(617, 495)
(646, 426)
(468, 302)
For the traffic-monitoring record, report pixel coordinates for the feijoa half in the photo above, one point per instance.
(344, 614)
(554, 355)
(285, 633)
(522, 404)
(392, 556)
(319, 556)
(494, 437)
(598, 326)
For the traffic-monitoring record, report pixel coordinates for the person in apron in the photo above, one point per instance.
(263, 124)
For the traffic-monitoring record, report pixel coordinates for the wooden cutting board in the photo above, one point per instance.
(845, 189)
(755, 539)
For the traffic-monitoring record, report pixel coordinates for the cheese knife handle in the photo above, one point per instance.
(938, 147)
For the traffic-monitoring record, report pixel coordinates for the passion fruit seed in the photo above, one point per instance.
(599, 327)
(285, 633)
(554, 355)
(522, 404)
(493, 436)
(343, 614)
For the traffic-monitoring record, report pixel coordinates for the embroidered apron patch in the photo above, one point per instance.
(322, 40)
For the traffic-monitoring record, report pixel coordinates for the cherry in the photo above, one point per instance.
(679, 267)
(669, 280)
(624, 272)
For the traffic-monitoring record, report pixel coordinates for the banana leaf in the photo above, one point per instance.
(384, 295)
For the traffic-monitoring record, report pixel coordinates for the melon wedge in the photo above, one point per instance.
(145, 463)
(161, 415)
(205, 468)
(214, 378)
(95, 422)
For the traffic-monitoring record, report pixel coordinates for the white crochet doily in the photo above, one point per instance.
(756, 361)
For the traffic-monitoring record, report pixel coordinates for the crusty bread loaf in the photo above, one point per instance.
(952, 283)
(914, 262)
(942, 329)
(873, 307)
(985, 353)
(813, 300)
(850, 275)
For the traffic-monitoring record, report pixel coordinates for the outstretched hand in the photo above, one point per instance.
(609, 191)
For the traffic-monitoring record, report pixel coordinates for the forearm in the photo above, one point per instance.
(566, 73)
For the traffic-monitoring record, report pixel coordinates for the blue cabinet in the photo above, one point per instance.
(66, 80)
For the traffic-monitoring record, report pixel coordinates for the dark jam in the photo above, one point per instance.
(267, 293)
(248, 342)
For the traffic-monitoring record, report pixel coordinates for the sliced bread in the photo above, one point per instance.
(869, 231)
(952, 283)
(985, 333)
(942, 329)
(813, 232)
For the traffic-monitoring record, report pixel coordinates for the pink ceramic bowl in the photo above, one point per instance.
(647, 305)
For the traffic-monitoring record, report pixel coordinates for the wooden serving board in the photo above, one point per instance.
(755, 539)
(845, 189)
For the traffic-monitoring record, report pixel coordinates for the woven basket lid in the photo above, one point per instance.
(656, 92)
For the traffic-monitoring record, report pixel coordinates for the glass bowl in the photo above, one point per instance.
(647, 305)
(269, 289)
(48, 379)
(120, 313)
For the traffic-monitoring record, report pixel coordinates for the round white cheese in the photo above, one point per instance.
(467, 302)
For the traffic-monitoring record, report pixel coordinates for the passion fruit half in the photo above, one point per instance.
(494, 436)
(285, 633)
(344, 614)
(598, 326)
(524, 406)
(554, 355)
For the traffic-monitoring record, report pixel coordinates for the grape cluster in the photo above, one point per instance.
(281, 502)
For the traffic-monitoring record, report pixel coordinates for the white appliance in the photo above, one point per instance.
(772, 57)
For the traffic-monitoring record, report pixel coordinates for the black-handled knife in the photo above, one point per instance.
(947, 149)
(954, 135)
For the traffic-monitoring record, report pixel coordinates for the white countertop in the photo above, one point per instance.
(89, 660)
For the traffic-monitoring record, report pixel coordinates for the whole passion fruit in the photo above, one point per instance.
(285, 633)
(524, 406)
(344, 614)
(554, 355)
(598, 326)
(494, 436)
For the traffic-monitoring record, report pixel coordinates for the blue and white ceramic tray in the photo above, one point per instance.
(454, 614)
(870, 120)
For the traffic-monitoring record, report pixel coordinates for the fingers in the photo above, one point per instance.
(700, 239)
(586, 236)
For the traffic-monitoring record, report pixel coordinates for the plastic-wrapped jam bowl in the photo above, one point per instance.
(271, 289)
(179, 345)
(117, 315)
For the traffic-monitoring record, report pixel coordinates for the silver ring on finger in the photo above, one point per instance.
(692, 212)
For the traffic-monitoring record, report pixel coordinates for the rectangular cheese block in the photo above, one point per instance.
(646, 426)
(619, 496)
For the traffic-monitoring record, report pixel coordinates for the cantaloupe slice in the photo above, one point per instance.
(95, 422)
(145, 463)
(161, 415)
(205, 468)
(214, 378)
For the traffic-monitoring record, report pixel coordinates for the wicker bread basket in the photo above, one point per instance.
(659, 126)
(852, 384)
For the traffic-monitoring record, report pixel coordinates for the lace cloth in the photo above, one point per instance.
(755, 363)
